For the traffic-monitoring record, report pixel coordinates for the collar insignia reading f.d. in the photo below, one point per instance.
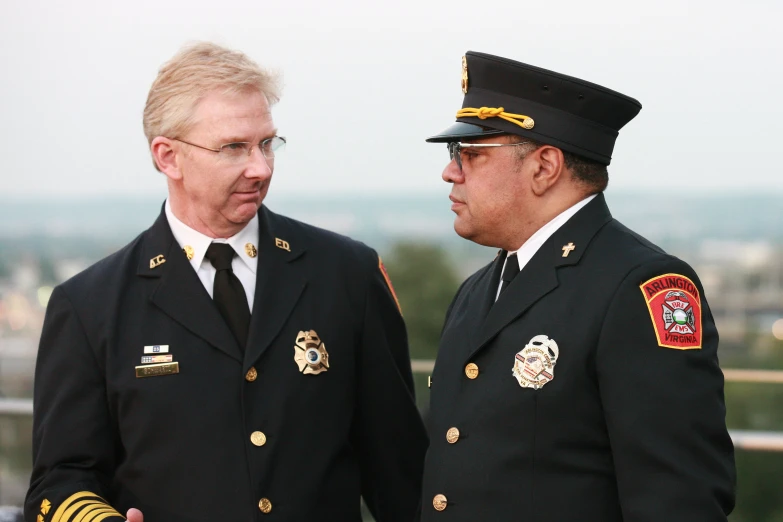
(280, 243)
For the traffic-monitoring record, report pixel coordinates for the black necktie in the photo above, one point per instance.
(510, 271)
(228, 292)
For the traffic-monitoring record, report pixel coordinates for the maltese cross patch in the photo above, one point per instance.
(675, 308)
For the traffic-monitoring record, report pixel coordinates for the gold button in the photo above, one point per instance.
(251, 375)
(258, 438)
(265, 505)
(452, 435)
(439, 502)
(471, 370)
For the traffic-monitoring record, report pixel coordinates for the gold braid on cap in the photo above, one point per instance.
(526, 122)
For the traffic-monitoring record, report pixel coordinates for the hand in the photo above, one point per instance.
(134, 515)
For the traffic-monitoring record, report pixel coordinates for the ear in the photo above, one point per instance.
(166, 157)
(550, 166)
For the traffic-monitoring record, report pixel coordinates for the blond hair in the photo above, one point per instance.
(193, 73)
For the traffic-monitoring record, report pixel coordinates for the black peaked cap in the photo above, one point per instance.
(574, 115)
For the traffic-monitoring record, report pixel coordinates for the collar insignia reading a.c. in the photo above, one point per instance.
(157, 261)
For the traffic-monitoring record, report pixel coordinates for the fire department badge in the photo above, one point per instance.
(534, 366)
(675, 308)
(310, 353)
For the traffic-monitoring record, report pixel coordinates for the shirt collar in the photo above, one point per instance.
(531, 246)
(241, 242)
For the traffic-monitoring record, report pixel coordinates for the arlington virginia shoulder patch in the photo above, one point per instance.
(674, 304)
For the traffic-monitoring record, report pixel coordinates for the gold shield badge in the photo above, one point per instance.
(310, 353)
(464, 75)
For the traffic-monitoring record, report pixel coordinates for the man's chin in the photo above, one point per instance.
(246, 211)
(463, 229)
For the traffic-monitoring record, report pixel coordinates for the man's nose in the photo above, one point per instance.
(258, 166)
(452, 173)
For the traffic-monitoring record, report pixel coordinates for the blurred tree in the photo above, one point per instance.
(47, 270)
(425, 283)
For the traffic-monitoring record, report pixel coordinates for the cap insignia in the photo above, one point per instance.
(464, 75)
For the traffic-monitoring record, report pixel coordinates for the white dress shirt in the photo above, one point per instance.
(536, 241)
(243, 265)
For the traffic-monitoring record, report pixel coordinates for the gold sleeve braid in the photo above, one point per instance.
(84, 506)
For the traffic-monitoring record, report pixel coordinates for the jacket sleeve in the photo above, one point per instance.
(664, 405)
(388, 429)
(74, 439)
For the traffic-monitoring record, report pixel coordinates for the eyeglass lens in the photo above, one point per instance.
(454, 153)
(268, 147)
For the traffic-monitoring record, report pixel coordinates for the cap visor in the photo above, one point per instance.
(463, 131)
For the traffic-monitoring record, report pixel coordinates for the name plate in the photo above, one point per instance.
(153, 370)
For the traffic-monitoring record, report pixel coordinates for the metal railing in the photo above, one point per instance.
(760, 376)
(16, 407)
(757, 440)
(743, 439)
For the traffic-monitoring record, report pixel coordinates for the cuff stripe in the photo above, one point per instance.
(89, 513)
(96, 516)
(93, 509)
(112, 513)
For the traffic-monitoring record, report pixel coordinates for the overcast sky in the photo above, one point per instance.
(366, 82)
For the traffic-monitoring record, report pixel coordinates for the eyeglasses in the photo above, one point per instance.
(242, 149)
(455, 148)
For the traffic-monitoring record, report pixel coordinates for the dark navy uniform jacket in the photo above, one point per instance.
(626, 430)
(237, 435)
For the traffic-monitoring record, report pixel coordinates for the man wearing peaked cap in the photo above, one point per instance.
(577, 375)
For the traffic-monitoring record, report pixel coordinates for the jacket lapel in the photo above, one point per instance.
(484, 295)
(179, 292)
(279, 283)
(539, 277)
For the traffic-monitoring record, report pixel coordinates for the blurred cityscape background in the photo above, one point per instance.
(734, 241)
(364, 84)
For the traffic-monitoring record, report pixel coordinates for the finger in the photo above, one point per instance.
(134, 515)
